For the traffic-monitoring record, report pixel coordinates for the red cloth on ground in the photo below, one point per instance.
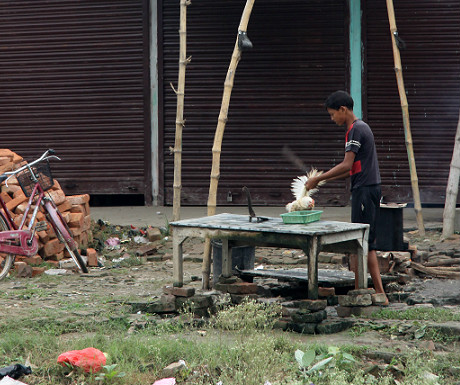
(89, 359)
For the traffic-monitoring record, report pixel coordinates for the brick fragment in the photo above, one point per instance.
(23, 270)
(37, 270)
(154, 234)
(5, 196)
(34, 260)
(91, 254)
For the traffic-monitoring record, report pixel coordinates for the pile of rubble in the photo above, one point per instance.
(75, 210)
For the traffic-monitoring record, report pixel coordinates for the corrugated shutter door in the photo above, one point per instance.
(299, 57)
(73, 78)
(431, 70)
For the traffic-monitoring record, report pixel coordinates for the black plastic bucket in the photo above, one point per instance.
(242, 258)
(389, 231)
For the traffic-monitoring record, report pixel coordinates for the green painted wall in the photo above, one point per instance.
(355, 56)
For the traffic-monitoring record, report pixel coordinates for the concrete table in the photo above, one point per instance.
(236, 230)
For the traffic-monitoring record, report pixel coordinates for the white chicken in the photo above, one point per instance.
(303, 199)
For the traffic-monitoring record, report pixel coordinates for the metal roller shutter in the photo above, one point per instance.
(299, 57)
(431, 70)
(74, 76)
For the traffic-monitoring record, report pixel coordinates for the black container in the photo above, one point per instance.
(242, 258)
(390, 229)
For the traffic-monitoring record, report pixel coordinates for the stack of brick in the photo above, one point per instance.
(74, 209)
(360, 302)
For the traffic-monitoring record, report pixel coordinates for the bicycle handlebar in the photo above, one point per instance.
(48, 154)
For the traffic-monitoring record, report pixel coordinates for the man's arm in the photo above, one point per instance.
(342, 170)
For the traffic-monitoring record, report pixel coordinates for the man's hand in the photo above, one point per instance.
(312, 183)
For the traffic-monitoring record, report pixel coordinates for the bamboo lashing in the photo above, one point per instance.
(406, 122)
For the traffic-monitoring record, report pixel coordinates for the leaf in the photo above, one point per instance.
(334, 350)
(308, 358)
(349, 357)
(299, 356)
(320, 364)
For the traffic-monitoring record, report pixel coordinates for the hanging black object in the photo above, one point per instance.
(15, 371)
(243, 41)
(399, 42)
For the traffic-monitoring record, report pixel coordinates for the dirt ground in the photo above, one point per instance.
(120, 280)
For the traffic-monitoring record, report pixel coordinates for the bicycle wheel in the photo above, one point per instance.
(63, 233)
(8, 259)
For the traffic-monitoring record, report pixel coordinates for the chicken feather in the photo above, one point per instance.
(303, 197)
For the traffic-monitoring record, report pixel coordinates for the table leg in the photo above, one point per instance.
(226, 258)
(178, 260)
(363, 249)
(312, 253)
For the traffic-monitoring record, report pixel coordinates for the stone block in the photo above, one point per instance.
(316, 317)
(179, 291)
(364, 311)
(333, 326)
(173, 369)
(242, 288)
(304, 328)
(154, 234)
(355, 300)
(147, 249)
(313, 305)
(361, 291)
(239, 298)
(378, 298)
(343, 311)
(34, 260)
(326, 291)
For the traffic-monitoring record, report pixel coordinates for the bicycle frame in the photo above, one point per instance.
(20, 241)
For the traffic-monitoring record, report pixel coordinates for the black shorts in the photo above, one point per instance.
(365, 208)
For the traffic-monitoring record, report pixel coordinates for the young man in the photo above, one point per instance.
(360, 162)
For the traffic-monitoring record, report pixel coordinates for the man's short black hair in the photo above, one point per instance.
(338, 99)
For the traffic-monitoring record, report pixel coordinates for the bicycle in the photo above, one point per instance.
(35, 179)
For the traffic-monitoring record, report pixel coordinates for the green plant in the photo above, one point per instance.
(109, 374)
(334, 357)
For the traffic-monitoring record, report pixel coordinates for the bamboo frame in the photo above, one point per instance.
(448, 217)
(406, 122)
(180, 122)
(218, 137)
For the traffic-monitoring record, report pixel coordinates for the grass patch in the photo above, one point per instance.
(418, 313)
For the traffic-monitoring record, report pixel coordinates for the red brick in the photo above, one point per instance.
(37, 270)
(76, 220)
(179, 291)
(43, 235)
(58, 196)
(5, 196)
(18, 192)
(92, 257)
(34, 260)
(86, 222)
(64, 206)
(12, 204)
(23, 270)
(53, 247)
(78, 199)
(326, 291)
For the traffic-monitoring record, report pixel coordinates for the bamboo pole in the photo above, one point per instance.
(216, 149)
(448, 217)
(180, 122)
(406, 122)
